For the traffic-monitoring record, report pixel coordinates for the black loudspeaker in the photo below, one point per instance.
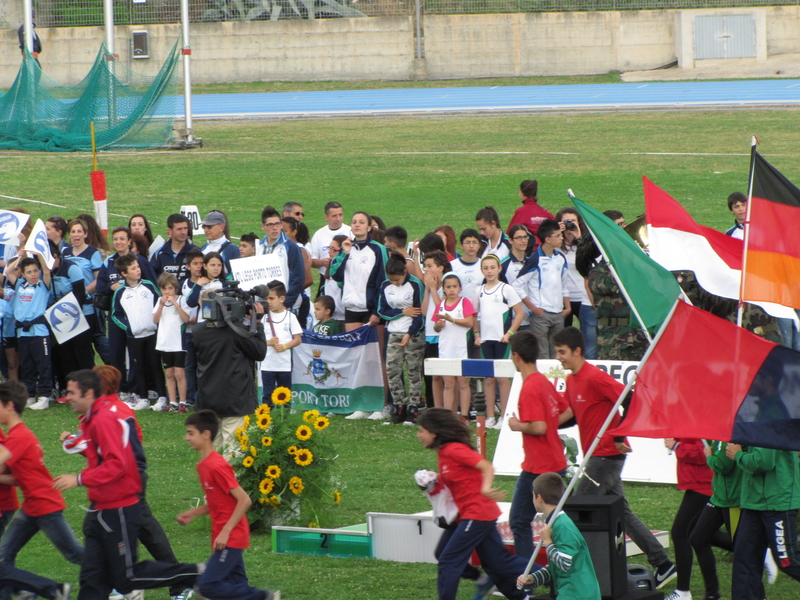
(601, 520)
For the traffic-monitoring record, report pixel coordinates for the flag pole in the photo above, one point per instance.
(619, 281)
(614, 411)
(753, 144)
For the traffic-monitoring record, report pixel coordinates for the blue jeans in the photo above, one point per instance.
(456, 548)
(271, 380)
(522, 512)
(588, 323)
(23, 527)
(225, 577)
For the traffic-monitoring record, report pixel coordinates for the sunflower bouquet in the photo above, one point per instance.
(286, 464)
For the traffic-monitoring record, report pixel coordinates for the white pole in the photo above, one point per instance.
(187, 74)
(108, 21)
(27, 23)
(614, 411)
(753, 144)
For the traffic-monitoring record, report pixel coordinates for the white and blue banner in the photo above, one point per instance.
(339, 373)
(66, 318)
(257, 270)
(38, 242)
(11, 225)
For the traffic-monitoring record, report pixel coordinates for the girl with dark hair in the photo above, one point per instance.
(469, 477)
(94, 235)
(572, 225)
(57, 230)
(512, 265)
(140, 245)
(436, 265)
(138, 223)
(587, 254)
(487, 222)
(292, 228)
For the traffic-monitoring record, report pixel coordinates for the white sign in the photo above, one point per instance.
(66, 318)
(650, 461)
(257, 270)
(155, 246)
(191, 213)
(38, 242)
(11, 225)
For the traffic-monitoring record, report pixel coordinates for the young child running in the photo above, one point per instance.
(399, 302)
(496, 302)
(227, 503)
(469, 477)
(171, 315)
(570, 567)
(324, 307)
(453, 321)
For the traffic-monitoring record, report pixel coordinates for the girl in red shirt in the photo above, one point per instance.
(470, 477)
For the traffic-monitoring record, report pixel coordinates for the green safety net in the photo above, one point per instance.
(128, 110)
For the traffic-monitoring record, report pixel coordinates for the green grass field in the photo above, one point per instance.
(419, 173)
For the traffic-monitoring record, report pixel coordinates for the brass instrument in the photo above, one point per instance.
(637, 229)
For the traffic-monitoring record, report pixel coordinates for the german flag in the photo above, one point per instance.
(772, 267)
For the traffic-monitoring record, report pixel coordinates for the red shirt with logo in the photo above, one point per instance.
(539, 401)
(218, 479)
(8, 493)
(591, 394)
(27, 466)
(457, 470)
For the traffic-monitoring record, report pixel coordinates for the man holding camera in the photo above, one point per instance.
(542, 286)
(227, 353)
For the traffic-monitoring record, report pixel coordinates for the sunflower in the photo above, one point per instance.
(310, 415)
(273, 471)
(303, 433)
(248, 461)
(303, 457)
(246, 422)
(266, 440)
(275, 501)
(264, 421)
(238, 432)
(266, 485)
(292, 449)
(253, 451)
(281, 395)
(263, 500)
(337, 496)
(262, 410)
(313, 524)
(296, 485)
(321, 423)
(244, 441)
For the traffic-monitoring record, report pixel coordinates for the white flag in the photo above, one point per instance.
(38, 242)
(66, 318)
(11, 224)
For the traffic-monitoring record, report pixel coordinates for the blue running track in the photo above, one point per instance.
(501, 98)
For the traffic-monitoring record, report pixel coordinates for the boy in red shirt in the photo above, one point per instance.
(539, 409)
(113, 485)
(591, 394)
(227, 503)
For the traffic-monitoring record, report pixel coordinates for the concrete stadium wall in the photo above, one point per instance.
(382, 48)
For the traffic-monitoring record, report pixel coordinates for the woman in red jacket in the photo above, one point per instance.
(694, 477)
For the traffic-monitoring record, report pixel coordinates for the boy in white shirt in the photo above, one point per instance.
(171, 313)
(283, 333)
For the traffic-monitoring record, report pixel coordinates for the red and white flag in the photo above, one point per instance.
(678, 243)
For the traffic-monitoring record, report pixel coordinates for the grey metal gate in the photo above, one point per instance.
(730, 36)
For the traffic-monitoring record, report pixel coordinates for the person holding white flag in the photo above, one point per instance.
(32, 295)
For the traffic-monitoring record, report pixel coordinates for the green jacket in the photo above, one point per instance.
(770, 479)
(727, 482)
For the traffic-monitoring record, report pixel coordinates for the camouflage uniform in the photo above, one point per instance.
(412, 354)
(616, 338)
(755, 320)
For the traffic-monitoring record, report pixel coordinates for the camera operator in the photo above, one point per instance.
(227, 352)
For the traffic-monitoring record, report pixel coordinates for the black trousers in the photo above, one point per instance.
(708, 532)
(110, 560)
(35, 364)
(146, 360)
(687, 515)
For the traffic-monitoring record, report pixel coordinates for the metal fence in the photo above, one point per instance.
(82, 13)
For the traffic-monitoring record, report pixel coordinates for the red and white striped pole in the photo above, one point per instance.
(99, 190)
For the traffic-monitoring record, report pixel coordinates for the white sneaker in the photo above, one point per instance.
(499, 423)
(124, 396)
(490, 422)
(771, 566)
(160, 405)
(43, 402)
(359, 414)
(679, 595)
(30, 402)
(151, 395)
(115, 595)
(377, 416)
(141, 404)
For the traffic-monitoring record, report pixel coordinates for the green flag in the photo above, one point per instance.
(648, 287)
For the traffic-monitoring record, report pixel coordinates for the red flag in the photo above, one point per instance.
(708, 378)
(772, 267)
